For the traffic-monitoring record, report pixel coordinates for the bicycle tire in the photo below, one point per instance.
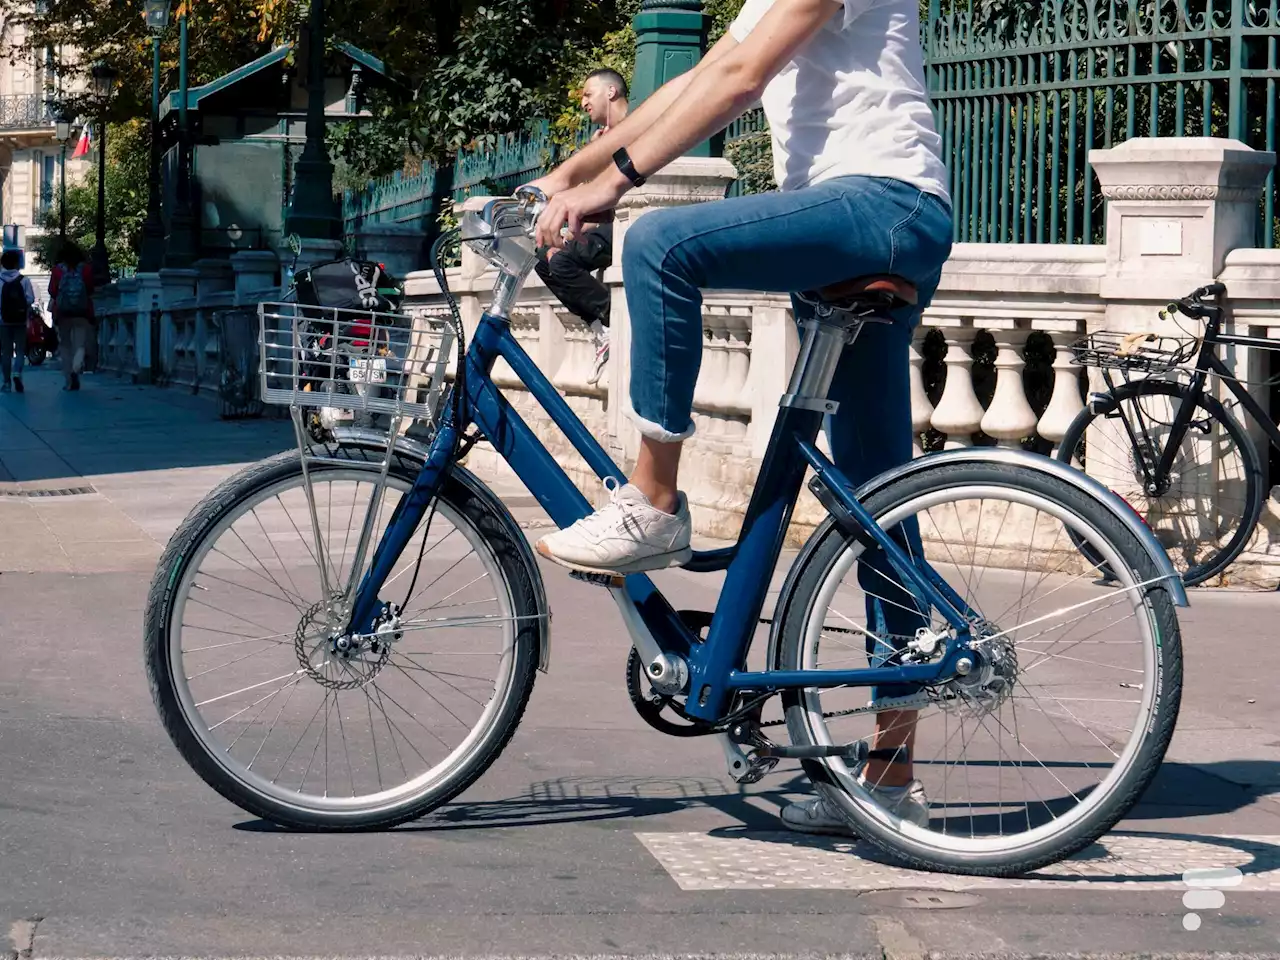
(1217, 561)
(828, 545)
(163, 675)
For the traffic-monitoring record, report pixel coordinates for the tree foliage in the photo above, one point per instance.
(126, 207)
(222, 35)
(469, 69)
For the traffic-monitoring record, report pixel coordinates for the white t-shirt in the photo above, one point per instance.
(854, 100)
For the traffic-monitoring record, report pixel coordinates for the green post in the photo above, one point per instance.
(314, 214)
(671, 36)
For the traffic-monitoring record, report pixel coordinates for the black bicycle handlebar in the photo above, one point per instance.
(1193, 304)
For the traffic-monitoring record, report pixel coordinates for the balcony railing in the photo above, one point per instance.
(24, 111)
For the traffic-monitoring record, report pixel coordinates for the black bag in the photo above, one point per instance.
(349, 284)
(13, 303)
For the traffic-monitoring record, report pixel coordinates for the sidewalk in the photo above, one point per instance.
(97, 481)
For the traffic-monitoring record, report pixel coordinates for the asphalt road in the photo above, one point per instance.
(592, 835)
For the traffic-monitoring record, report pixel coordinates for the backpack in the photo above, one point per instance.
(13, 302)
(73, 294)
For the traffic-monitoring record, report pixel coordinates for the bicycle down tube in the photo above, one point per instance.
(714, 665)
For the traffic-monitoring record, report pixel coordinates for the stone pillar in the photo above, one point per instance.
(398, 246)
(670, 38)
(146, 331)
(178, 284)
(214, 276)
(117, 343)
(255, 276)
(683, 181)
(1175, 207)
(314, 250)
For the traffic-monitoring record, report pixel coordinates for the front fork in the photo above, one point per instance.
(366, 605)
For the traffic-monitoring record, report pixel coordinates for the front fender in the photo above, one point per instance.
(373, 439)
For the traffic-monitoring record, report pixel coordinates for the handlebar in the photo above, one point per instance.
(1193, 304)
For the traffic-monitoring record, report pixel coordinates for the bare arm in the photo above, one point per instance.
(590, 161)
(729, 86)
(715, 92)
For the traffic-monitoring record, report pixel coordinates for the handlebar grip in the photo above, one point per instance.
(1214, 290)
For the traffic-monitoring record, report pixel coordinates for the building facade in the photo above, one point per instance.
(31, 158)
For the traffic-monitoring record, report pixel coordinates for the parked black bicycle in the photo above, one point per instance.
(1166, 444)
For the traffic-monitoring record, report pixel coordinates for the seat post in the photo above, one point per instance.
(821, 346)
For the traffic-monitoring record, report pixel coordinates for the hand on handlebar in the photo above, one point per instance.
(565, 213)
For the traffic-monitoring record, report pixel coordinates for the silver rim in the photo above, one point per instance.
(270, 703)
(1056, 626)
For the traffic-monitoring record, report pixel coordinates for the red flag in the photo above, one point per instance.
(82, 148)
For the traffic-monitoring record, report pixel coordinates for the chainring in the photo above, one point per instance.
(653, 706)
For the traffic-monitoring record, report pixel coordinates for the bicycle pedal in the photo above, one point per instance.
(598, 579)
(757, 769)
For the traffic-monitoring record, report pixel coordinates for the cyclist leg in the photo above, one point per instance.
(775, 242)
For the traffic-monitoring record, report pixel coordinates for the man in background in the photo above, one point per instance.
(16, 302)
(570, 273)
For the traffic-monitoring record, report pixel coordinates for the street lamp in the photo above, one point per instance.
(181, 249)
(156, 15)
(62, 133)
(104, 83)
(312, 213)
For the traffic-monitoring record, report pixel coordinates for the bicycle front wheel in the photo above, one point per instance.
(1073, 693)
(1210, 504)
(243, 658)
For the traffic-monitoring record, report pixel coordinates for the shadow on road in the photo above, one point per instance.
(113, 427)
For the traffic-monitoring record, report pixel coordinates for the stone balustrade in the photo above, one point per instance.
(990, 363)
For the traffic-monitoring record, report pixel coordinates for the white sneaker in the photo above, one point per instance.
(819, 815)
(629, 535)
(601, 335)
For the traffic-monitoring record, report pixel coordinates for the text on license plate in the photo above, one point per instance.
(369, 370)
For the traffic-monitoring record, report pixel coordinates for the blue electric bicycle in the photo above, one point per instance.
(345, 636)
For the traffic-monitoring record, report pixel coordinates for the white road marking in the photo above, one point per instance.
(788, 861)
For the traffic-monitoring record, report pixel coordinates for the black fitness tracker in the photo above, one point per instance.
(623, 161)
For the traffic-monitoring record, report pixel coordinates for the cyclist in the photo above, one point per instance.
(862, 190)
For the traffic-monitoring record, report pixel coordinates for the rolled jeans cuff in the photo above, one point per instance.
(656, 431)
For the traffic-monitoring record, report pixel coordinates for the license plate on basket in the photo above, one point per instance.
(369, 370)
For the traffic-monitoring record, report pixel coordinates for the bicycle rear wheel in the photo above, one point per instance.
(241, 646)
(1074, 692)
(1214, 497)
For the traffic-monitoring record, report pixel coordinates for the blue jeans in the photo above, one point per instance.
(783, 243)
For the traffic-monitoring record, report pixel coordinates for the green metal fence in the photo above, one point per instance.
(1020, 101)
(497, 165)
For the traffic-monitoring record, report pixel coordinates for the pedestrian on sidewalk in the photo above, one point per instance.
(569, 272)
(71, 296)
(16, 302)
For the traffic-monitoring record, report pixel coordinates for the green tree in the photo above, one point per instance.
(126, 207)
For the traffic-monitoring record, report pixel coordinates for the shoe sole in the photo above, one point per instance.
(817, 831)
(659, 561)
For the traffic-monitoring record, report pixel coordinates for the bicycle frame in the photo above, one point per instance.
(1206, 362)
(716, 666)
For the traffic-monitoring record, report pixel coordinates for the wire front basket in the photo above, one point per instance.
(355, 360)
(1142, 352)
